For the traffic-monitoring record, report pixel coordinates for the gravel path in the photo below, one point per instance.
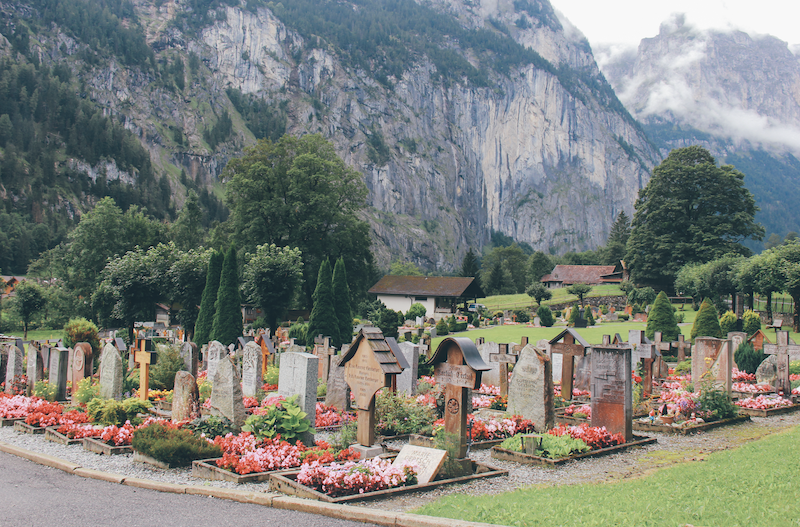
(632, 463)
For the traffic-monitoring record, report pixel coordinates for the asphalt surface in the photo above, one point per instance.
(33, 495)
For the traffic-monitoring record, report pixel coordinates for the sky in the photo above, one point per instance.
(606, 22)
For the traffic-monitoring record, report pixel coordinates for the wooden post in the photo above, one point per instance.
(569, 350)
(456, 405)
(144, 359)
(504, 358)
(366, 424)
(660, 347)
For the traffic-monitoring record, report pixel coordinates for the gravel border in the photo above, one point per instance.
(629, 463)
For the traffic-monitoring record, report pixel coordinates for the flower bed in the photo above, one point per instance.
(18, 406)
(25, 428)
(765, 406)
(583, 411)
(485, 433)
(357, 477)
(498, 452)
(742, 376)
(71, 433)
(685, 427)
(746, 387)
(329, 418)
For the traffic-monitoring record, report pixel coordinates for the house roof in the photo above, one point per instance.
(583, 274)
(442, 286)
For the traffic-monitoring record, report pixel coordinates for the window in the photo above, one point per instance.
(420, 299)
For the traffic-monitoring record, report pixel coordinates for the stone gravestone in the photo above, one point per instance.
(185, 398)
(737, 338)
(583, 372)
(683, 347)
(226, 392)
(369, 365)
(59, 370)
(642, 350)
(81, 363)
(252, 381)
(3, 361)
(407, 381)
(299, 376)
(190, 357)
(767, 372)
(428, 460)
(531, 391)
(612, 403)
(35, 367)
(214, 354)
(492, 375)
(782, 351)
(111, 374)
(324, 350)
(15, 368)
(338, 392)
(712, 359)
(458, 365)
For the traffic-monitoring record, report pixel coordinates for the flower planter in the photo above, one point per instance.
(99, 446)
(22, 426)
(9, 421)
(521, 457)
(768, 412)
(427, 441)
(144, 458)
(208, 469)
(52, 434)
(286, 482)
(699, 427)
(744, 395)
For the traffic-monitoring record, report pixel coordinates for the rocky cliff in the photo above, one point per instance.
(542, 152)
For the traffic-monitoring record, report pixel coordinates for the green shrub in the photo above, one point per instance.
(44, 390)
(574, 315)
(299, 331)
(322, 389)
(623, 316)
(716, 403)
(557, 313)
(794, 367)
(81, 330)
(545, 316)
(727, 322)
(441, 327)
(747, 358)
(86, 391)
(522, 315)
(397, 414)
(751, 322)
(552, 447)
(684, 367)
(706, 323)
(423, 367)
(346, 436)
(416, 310)
(662, 318)
(176, 447)
(210, 426)
(112, 412)
(589, 317)
(285, 419)
(272, 375)
(451, 324)
(170, 362)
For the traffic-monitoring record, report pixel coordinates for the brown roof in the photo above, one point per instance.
(446, 286)
(575, 274)
(380, 349)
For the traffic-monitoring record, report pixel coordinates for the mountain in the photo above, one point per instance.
(735, 94)
(465, 118)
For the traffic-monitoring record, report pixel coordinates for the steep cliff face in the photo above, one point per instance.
(737, 95)
(543, 154)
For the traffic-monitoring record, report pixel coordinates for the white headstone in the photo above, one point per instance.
(299, 376)
(215, 352)
(491, 376)
(59, 370)
(530, 393)
(252, 362)
(407, 381)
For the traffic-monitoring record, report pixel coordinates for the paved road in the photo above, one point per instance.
(34, 495)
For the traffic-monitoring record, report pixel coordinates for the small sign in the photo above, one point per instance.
(364, 375)
(428, 460)
(456, 375)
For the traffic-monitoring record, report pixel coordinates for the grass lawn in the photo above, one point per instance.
(560, 295)
(749, 485)
(39, 334)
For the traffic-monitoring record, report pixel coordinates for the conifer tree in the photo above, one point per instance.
(341, 303)
(706, 323)
(589, 316)
(662, 318)
(545, 316)
(205, 319)
(323, 319)
(228, 308)
(574, 315)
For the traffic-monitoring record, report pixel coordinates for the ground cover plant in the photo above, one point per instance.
(707, 493)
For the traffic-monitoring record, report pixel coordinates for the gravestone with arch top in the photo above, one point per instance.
(369, 365)
(459, 366)
(82, 362)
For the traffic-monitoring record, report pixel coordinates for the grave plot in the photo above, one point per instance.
(766, 406)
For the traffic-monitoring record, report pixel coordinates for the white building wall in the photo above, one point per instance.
(403, 303)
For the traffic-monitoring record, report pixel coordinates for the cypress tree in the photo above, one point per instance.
(706, 323)
(341, 303)
(574, 315)
(205, 319)
(228, 316)
(323, 319)
(662, 318)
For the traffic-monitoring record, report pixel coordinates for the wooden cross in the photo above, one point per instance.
(645, 352)
(518, 347)
(660, 346)
(144, 359)
(781, 351)
(569, 350)
(504, 358)
(682, 346)
(325, 351)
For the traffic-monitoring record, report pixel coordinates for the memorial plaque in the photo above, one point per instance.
(428, 460)
(365, 376)
(612, 403)
(454, 374)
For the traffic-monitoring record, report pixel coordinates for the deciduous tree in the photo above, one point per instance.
(271, 280)
(29, 299)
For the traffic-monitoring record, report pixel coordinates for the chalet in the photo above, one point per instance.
(11, 282)
(566, 275)
(439, 294)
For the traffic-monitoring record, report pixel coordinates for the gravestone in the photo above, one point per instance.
(782, 350)
(683, 347)
(59, 370)
(111, 374)
(267, 350)
(338, 392)
(252, 379)
(369, 365)
(492, 375)
(15, 368)
(642, 350)
(214, 354)
(611, 317)
(458, 365)
(144, 357)
(185, 398)
(226, 392)
(190, 357)
(3, 361)
(583, 372)
(612, 403)
(299, 376)
(324, 350)
(767, 371)
(569, 344)
(35, 367)
(531, 391)
(711, 360)
(737, 338)
(428, 460)
(81, 363)
(407, 381)
(661, 369)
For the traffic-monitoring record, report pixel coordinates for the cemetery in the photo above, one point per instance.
(380, 418)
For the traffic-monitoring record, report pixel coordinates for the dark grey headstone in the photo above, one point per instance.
(59, 369)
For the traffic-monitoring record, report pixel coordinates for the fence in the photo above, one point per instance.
(779, 305)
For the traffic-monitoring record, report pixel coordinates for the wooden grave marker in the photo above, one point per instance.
(504, 358)
(572, 345)
(660, 346)
(324, 350)
(144, 356)
(458, 365)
